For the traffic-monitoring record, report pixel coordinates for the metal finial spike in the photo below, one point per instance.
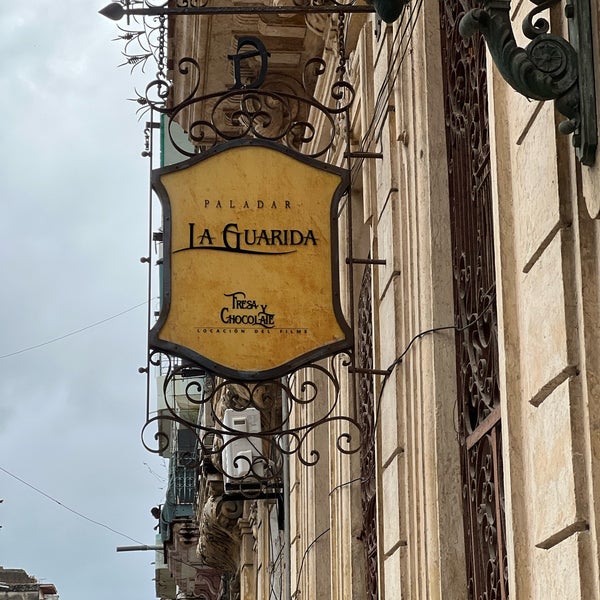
(114, 11)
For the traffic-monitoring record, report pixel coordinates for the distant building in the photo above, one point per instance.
(16, 584)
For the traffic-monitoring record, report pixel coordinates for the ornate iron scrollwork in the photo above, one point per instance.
(549, 67)
(477, 371)
(274, 112)
(258, 473)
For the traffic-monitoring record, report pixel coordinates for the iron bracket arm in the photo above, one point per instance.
(549, 67)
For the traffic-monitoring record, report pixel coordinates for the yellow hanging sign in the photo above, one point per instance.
(250, 281)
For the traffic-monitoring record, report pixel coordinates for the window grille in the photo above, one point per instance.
(467, 141)
(366, 416)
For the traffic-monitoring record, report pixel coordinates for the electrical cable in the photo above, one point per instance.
(378, 105)
(378, 113)
(390, 78)
(66, 335)
(71, 510)
(295, 594)
(393, 68)
(398, 360)
(81, 515)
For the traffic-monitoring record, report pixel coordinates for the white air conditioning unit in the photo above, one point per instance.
(243, 458)
(179, 396)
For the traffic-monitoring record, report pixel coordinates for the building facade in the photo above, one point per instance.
(469, 250)
(16, 584)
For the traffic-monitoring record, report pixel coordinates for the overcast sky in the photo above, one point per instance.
(74, 192)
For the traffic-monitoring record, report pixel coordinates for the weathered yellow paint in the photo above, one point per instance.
(251, 188)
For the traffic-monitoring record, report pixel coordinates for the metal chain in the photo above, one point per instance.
(161, 64)
(341, 69)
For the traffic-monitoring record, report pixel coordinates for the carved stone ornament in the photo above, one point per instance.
(208, 583)
(549, 68)
(219, 536)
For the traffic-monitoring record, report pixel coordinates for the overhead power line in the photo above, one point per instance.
(71, 510)
(71, 333)
(82, 516)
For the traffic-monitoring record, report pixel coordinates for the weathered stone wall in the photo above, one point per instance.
(27, 595)
(547, 267)
(419, 473)
(548, 300)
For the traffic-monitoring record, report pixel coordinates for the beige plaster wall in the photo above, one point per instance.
(420, 511)
(547, 263)
(548, 292)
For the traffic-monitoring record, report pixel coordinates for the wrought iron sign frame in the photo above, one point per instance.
(324, 350)
(280, 118)
(262, 472)
(549, 67)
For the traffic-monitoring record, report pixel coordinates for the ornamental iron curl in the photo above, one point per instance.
(549, 67)
(276, 111)
(281, 110)
(201, 404)
(366, 418)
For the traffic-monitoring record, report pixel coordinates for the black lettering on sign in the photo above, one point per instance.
(258, 50)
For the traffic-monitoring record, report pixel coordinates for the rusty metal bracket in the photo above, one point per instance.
(363, 155)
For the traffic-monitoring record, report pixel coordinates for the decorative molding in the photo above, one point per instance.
(208, 583)
(219, 537)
